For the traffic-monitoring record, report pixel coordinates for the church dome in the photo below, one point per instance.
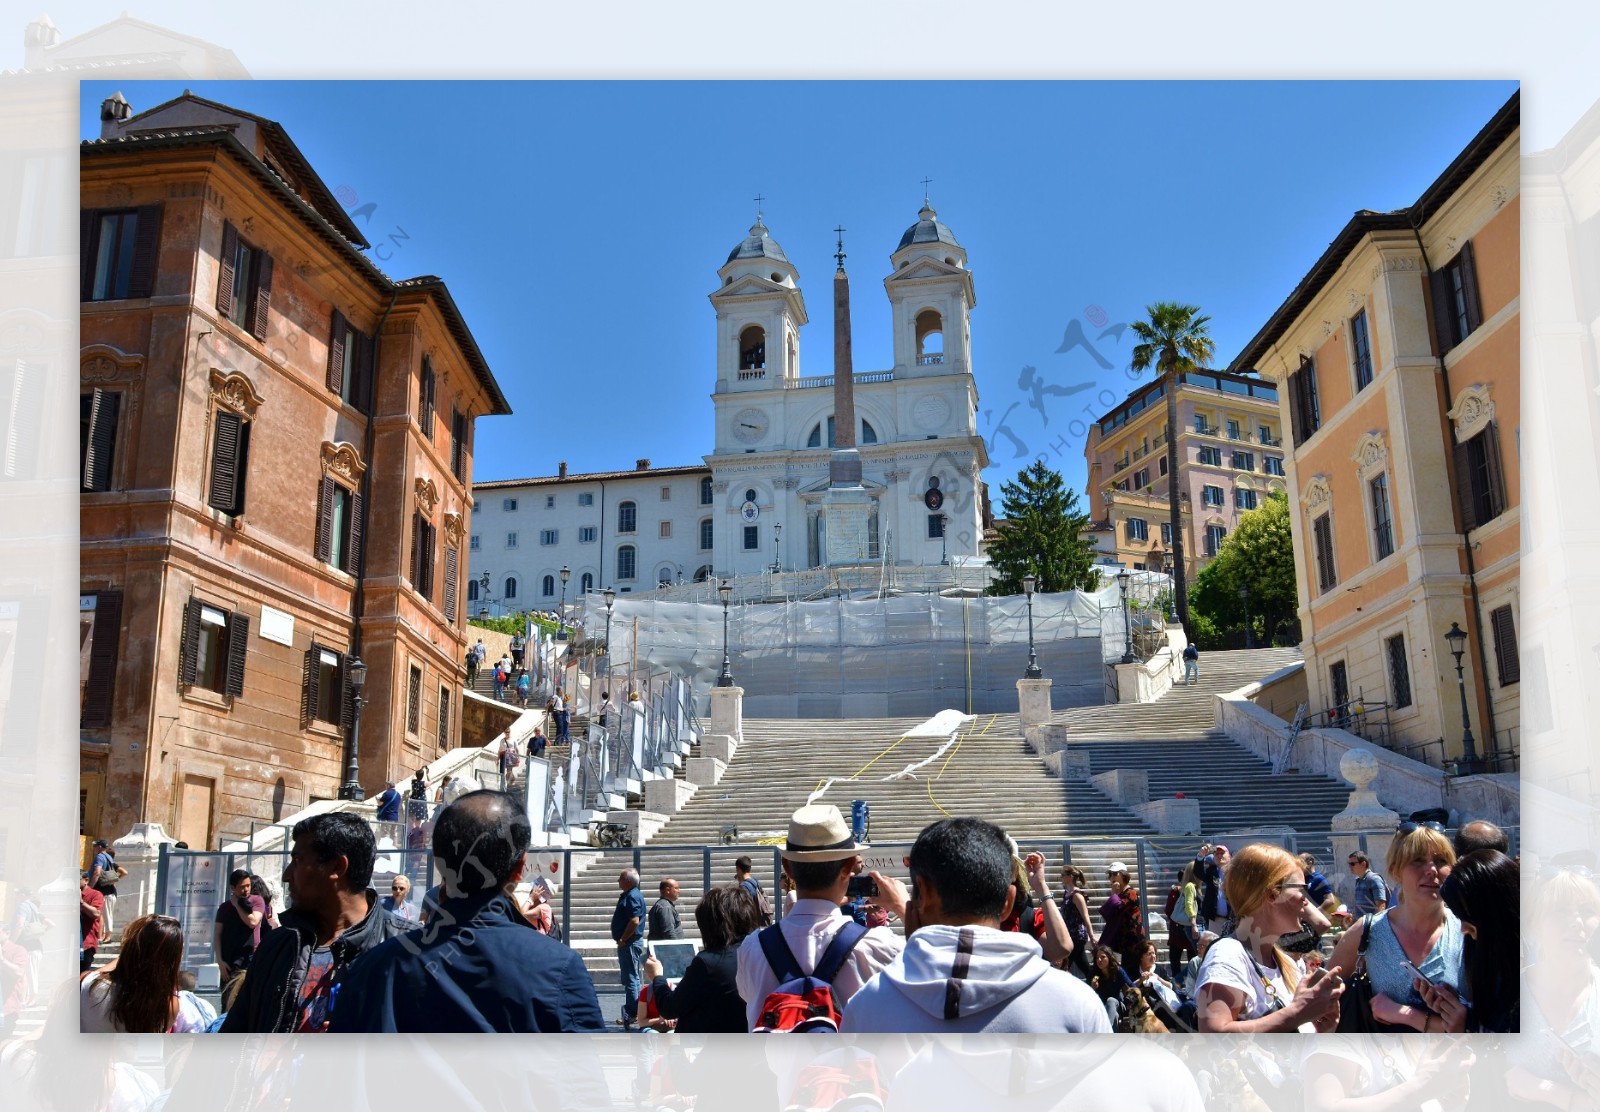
(928, 229)
(759, 244)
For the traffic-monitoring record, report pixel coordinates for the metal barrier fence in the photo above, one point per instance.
(192, 884)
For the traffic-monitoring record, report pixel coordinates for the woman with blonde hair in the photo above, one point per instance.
(1417, 936)
(1247, 982)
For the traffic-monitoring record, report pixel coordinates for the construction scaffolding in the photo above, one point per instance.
(890, 656)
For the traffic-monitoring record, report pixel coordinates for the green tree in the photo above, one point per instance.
(1259, 554)
(1174, 340)
(1042, 533)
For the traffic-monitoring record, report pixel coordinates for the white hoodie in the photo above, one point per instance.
(973, 979)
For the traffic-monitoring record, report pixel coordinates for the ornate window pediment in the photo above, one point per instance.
(102, 363)
(453, 529)
(1371, 454)
(427, 496)
(1318, 495)
(235, 392)
(341, 461)
(1473, 411)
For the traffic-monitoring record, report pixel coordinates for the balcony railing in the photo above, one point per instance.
(1238, 435)
(1205, 430)
(827, 380)
(747, 373)
(930, 358)
(1140, 453)
(1272, 442)
(1122, 463)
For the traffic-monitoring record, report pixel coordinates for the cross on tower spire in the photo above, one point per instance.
(839, 255)
(759, 199)
(925, 182)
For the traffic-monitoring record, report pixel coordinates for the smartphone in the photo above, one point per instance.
(862, 885)
(1405, 964)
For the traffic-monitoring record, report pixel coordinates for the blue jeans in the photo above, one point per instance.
(630, 957)
(1191, 671)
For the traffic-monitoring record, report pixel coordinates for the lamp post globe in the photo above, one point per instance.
(1033, 671)
(1123, 577)
(561, 615)
(355, 671)
(725, 593)
(1457, 639)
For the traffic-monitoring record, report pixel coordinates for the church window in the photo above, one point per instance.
(930, 337)
(702, 574)
(752, 348)
(706, 495)
(627, 517)
(627, 567)
(869, 435)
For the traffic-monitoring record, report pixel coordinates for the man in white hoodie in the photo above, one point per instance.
(959, 972)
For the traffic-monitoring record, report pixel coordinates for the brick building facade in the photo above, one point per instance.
(275, 454)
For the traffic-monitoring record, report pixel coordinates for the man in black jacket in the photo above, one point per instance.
(335, 917)
(478, 965)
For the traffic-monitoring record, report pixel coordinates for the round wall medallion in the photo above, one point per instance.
(930, 413)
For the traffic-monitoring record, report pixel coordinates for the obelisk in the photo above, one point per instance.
(846, 505)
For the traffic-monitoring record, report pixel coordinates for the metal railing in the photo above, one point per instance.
(930, 358)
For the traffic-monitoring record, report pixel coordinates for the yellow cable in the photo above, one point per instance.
(957, 749)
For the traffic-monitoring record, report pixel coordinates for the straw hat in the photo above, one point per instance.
(819, 833)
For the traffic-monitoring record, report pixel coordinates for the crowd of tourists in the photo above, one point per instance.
(977, 942)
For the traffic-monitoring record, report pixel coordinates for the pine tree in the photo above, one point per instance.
(1042, 533)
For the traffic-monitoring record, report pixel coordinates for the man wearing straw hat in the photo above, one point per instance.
(821, 856)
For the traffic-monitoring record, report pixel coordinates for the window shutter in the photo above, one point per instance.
(414, 701)
(429, 540)
(324, 543)
(1497, 479)
(146, 241)
(444, 720)
(1464, 499)
(230, 251)
(225, 459)
(238, 642)
(258, 314)
(1443, 329)
(455, 443)
(88, 225)
(311, 694)
(189, 658)
(102, 440)
(416, 552)
(103, 659)
(336, 343)
(1469, 286)
(451, 563)
(353, 549)
(425, 400)
(1507, 663)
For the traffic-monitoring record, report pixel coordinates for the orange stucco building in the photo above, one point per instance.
(1398, 362)
(275, 454)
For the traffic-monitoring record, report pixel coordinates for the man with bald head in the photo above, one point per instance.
(1480, 834)
(478, 965)
(627, 928)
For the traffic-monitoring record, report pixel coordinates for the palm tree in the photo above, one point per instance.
(1174, 340)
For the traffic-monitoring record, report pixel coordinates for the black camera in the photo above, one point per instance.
(862, 885)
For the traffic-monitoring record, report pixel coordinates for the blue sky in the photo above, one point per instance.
(579, 225)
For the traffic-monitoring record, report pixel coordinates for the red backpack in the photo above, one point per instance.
(804, 1002)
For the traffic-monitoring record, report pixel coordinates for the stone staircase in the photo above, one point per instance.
(990, 771)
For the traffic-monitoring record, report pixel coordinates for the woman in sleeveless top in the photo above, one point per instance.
(1419, 932)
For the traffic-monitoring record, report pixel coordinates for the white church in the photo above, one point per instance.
(761, 501)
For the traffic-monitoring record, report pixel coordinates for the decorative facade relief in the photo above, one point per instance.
(454, 530)
(1473, 411)
(340, 458)
(1401, 263)
(234, 391)
(1371, 454)
(1317, 494)
(101, 363)
(1500, 196)
(427, 496)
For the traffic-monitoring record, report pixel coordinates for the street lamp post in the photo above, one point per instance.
(1172, 594)
(1457, 637)
(1249, 634)
(561, 616)
(1033, 671)
(355, 671)
(483, 594)
(944, 539)
(777, 547)
(610, 597)
(1128, 657)
(725, 592)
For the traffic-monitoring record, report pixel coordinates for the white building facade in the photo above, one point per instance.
(756, 501)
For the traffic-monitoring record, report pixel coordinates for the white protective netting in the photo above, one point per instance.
(901, 655)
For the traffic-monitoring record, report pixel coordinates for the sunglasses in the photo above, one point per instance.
(1432, 825)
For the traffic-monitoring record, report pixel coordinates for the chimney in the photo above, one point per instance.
(114, 110)
(561, 470)
(41, 35)
(642, 464)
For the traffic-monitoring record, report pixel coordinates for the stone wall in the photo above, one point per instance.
(1283, 692)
